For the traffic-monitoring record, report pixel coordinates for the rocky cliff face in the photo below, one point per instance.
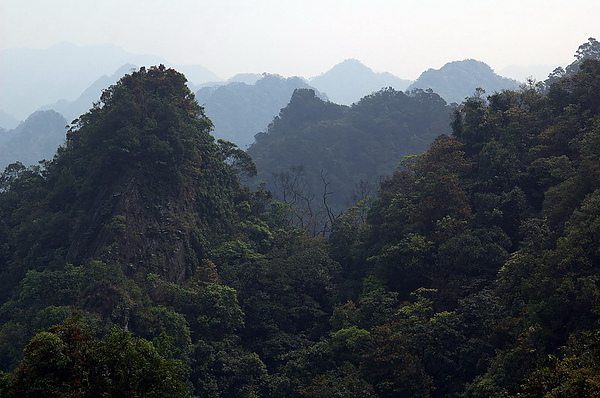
(142, 232)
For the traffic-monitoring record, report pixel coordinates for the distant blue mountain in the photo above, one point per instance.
(32, 78)
(457, 80)
(239, 110)
(35, 139)
(350, 80)
(73, 109)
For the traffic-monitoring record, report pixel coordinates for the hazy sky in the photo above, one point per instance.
(308, 37)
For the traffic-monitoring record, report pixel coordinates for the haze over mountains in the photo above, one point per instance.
(35, 139)
(400, 246)
(457, 80)
(33, 78)
(350, 80)
(73, 109)
(240, 110)
(68, 79)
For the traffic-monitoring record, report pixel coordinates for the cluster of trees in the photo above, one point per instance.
(137, 262)
(489, 242)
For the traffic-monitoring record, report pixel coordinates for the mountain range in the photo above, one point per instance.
(33, 78)
(73, 109)
(240, 110)
(64, 78)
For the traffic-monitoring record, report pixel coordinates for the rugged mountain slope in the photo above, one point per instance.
(350, 80)
(473, 272)
(142, 164)
(458, 80)
(120, 231)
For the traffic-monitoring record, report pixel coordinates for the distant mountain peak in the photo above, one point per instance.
(241, 109)
(34, 139)
(350, 80)
(352, 63)
(457, 80)
(68, 69)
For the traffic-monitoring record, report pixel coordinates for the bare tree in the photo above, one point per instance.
(305, 212)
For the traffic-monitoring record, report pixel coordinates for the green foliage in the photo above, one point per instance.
(344, 381)
(501, 220)
(67, 362)
(119, 226)
(285, 292)
(574, 373)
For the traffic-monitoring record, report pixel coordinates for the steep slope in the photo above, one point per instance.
(457, 80)
(120, 231)
(350, 80)
(35, 139)
(240, 110)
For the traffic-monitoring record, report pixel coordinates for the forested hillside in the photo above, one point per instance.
(313, 143)
(135, 263)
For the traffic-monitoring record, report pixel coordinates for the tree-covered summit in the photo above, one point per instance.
(320, 142)
(140, 163)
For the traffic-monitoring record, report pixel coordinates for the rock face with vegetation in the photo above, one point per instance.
(132, 203)
(136, 264)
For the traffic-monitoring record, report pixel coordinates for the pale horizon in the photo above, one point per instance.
(307, 38)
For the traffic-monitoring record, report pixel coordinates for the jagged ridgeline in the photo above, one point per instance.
(140, 183)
